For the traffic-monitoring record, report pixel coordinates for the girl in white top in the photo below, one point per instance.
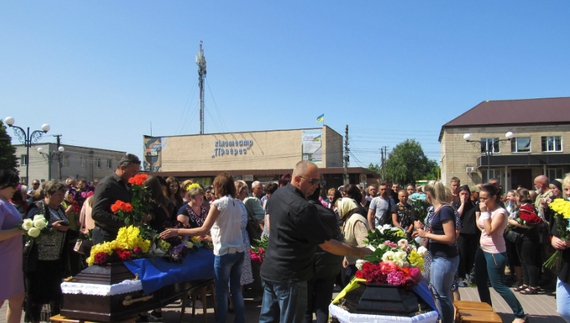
(223, 222)
(491, 257)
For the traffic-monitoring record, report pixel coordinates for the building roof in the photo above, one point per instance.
(514, 112)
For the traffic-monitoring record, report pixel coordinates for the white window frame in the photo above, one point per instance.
(23, 160)
(555, 139)
(98, 162)
(495, 173)
(109, 163)
(515, 145)
(487, 143)
(554, 173)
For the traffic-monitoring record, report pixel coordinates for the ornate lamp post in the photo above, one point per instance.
(27, 139)
(50, 156)
(488, 151)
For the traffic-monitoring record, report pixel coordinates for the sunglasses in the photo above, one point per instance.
(312, 181)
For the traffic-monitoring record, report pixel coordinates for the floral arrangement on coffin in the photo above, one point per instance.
(34, 228)
(258, 253)
(129, 244)
(420, 205)
(528, 217)
(395, 260)
(561, 208)
(175, 248)
(137, 210)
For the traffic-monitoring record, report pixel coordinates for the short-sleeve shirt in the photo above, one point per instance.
(438, 249)
(380, 206)
(295, 232)
(195, 220)
(406, 214)
(226, 231)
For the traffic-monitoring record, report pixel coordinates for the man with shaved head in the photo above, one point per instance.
(295, 232)
(543, 192)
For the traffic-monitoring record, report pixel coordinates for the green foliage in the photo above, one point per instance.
(407, 163)
(374, 168)
(8, 157)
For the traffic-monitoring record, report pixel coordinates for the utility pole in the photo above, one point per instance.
(346, 157)
(384, 151)
(58, 156)
(201, 62)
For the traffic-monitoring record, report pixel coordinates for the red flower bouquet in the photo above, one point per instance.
(528, 216)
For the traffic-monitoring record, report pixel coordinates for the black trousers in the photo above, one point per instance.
(319, 296)
(468, 245)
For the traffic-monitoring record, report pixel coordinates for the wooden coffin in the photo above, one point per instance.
(112, 308)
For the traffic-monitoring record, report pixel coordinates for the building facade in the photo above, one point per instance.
(512, 140)
(254, 155)
(75, 161)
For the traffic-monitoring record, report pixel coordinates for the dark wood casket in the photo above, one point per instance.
(115, 307)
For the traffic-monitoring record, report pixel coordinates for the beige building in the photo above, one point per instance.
(253, 155)
(77, 162)
(512, 140)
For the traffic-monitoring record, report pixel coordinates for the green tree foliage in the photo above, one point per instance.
(7, 151)
(375, 168)
(407, 163)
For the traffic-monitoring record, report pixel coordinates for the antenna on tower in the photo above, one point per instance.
(201, 62)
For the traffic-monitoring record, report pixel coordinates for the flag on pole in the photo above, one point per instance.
(321, 118)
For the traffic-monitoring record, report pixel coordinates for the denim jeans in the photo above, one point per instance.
(441, 277)
(227, 268)
(283, 302)
(491, 266)
(563, 299)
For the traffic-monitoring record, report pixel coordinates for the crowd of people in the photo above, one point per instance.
(314, 237)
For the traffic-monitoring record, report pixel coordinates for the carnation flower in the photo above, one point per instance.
(395, 278)
(403, 244)
(137, 250)
(387, 267)
(101, 258)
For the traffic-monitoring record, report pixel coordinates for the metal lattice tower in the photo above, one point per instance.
(201, 62)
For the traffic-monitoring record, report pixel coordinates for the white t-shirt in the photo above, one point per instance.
(226, 231)
(379, 206)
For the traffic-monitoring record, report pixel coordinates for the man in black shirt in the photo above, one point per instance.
(110, 189)
(295, 232)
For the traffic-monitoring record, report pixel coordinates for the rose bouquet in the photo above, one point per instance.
(33, 228)
(129, 243)
(137, 210)
(561, 208)
(258, 253)
(420, 205)
(528, 217)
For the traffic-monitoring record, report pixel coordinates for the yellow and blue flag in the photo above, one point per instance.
(321, 118)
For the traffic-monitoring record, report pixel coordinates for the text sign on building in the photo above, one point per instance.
(231, 147)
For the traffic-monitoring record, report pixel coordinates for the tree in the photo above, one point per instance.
(374, 168)
(407, 163)
(8, 157)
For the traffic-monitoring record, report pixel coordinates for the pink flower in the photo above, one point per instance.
(415, 274)
(395, 278)
(387, 267)
(137, 250)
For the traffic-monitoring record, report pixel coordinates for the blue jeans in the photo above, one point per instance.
(563, 299)
(283, 302)
(491, 266)
(228, 268)
(441, 278)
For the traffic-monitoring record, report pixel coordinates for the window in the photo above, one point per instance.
(98, 162)
(65, 160)
(109, 163)
(23, 160)
(490, 145)
(520, 145)
(554, 173)
(492, 173)
(553, 143)
(82, 161)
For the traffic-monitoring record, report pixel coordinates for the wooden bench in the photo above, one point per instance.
(475, 312)
(63, 319)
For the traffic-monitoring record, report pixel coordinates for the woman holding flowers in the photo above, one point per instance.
(12, 278)
(441, 236)
(48, 259)
(491, 257)
(561, 242)
(224, 219)
(525, 222)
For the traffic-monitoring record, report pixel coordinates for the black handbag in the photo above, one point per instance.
(513, 236)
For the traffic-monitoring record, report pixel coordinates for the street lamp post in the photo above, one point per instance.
(27, 139)
(50, 156)
(489, 150)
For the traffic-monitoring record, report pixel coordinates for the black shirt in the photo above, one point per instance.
(468, 219)
(109, 190)
(406, 214)
(326, 264)
(295, 232)
(439, 249)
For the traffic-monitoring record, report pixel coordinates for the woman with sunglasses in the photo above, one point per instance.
(12, 278)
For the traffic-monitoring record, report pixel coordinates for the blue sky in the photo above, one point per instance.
(100, 72)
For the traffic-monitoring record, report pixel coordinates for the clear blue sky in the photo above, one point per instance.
(99, 72)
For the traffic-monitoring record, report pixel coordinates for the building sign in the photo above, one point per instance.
(312, 145)
(153, 147)
(231, 147)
